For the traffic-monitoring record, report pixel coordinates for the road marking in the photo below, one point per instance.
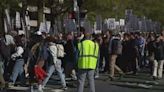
(18, 88)
(57, 90)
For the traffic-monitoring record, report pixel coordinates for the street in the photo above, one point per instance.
(142, 82)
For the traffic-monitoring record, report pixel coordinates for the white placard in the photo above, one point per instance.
(111, 23)
(17, 20)
(45, 27)
(5, 26)
(122, 22)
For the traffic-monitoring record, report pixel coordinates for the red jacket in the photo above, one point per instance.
(40, 73)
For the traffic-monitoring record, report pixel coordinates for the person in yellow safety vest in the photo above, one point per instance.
(87, 61)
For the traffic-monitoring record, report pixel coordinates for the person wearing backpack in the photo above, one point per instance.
(54, 63)
(18, 69)
(115, 49)
(6, 44)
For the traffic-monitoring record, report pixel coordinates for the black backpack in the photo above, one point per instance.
(4, 49)
(116, 46)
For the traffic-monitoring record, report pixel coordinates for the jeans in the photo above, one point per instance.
(58, 68)
(82, 73)
(2, 81)
(158, 68)
(18, 70)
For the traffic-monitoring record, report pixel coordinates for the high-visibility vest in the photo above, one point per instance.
(88, 54)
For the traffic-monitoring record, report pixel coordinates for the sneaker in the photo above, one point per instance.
(74, 77)
(154, 78)
(159, 78)
(97, 76)
(111, 78)
(64, 88)
(40, 88)
(43, 87)
(10, 84)
(121, 76)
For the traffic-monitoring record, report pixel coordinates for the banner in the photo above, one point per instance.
(27, 21)
(18, 20)
(5, 26)
(111, 23)
(76, 7)
(45, 27)
(70, 25)
(8, 21)
(98, 23)
(23, 25)
(88, 26)
(122, 22)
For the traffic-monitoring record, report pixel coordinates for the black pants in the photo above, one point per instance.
(133, 65)
(106, 56)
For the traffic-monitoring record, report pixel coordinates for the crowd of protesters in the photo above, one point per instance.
(35, 59)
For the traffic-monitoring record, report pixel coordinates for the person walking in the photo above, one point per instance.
(115, 49)
(2, 81)
(151, 51)
(18, 69)
(54, 64)
(87, 61)
(159, 58)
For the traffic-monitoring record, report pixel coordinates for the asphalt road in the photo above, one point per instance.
(142, 82)
(129, 83)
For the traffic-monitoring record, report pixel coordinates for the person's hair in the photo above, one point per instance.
(97, 38)
(126, 34)
(87, 36)
(82, 29)
(50, 39)
(18, 41)
(138, 33)
(162, 32)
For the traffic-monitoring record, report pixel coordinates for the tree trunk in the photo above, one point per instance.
(40, 11)
(52, 17)
(1, 20)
